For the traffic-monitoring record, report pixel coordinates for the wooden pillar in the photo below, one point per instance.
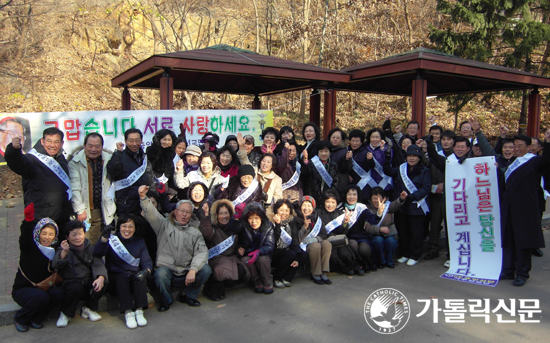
(315, 107)
(329, 120)
(126, 100)
(256, 103)
(419, 93)
(533, 115)
(166, 91)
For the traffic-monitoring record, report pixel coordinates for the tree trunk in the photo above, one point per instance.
(257, 26)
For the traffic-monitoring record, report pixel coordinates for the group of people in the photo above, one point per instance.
(180, 216)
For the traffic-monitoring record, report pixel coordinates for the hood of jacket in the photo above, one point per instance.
(214, 208)
(257, 208)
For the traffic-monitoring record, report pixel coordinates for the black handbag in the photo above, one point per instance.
(338, 240)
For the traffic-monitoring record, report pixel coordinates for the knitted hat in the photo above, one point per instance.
(246, 169)
(310, 199)
(193, 150)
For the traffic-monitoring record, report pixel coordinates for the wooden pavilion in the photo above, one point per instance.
(418, 73)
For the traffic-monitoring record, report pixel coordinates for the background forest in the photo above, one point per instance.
(60, 55)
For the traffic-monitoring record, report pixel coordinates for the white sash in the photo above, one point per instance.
(359, 208)
(54, 166)
(365, 177)
(121, 251)
(386, 180)
(221, 247)
(314, 232)
(294, 179)
(130, 180)
(321, 169)
(285, 237)
(251, 189)
(49, 252)
(386, 207)
(452, 158)
(517, 163)
(225, 182)
(412, 188)
(176, 160)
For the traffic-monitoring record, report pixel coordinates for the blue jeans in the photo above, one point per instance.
(165, 279)
(384, 247)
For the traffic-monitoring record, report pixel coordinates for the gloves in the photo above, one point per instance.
(254, 255)
(106, 231)
(29, 212)
(161, 188)
(140, 276)
(311, 240)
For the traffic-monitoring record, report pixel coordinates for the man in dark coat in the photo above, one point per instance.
(45, 175)
(520, 216)
(122, 166)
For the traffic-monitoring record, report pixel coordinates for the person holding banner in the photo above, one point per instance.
(287, 256)
(289, 169)
(519, 209)
(321, 172)
(128, 265)
(182, 254)
(45, 175)
(98, 208)
(220, 231)
(256, 245)
(384, 232)
(312, 238)
(413, 178)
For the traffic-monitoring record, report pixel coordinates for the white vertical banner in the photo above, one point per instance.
(473, 219)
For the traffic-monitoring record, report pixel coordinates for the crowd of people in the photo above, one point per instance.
(188, 217)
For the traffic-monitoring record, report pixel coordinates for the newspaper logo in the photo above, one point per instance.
(387, 311)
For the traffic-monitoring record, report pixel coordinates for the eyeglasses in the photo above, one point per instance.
(184, 211)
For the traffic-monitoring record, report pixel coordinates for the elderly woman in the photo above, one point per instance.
(413, 178)
(220, 232)
(128, 264)
(338, 139)
(84, 275)
(359, 239)
(312, 238)
(289, 169)
(36, 254)
(383, 233)
(208, 173)
(287, 255)
(242, 189)
(271, 183)
(377, 146)
(256, 244)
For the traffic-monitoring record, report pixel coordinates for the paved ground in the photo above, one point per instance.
(307, 312)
